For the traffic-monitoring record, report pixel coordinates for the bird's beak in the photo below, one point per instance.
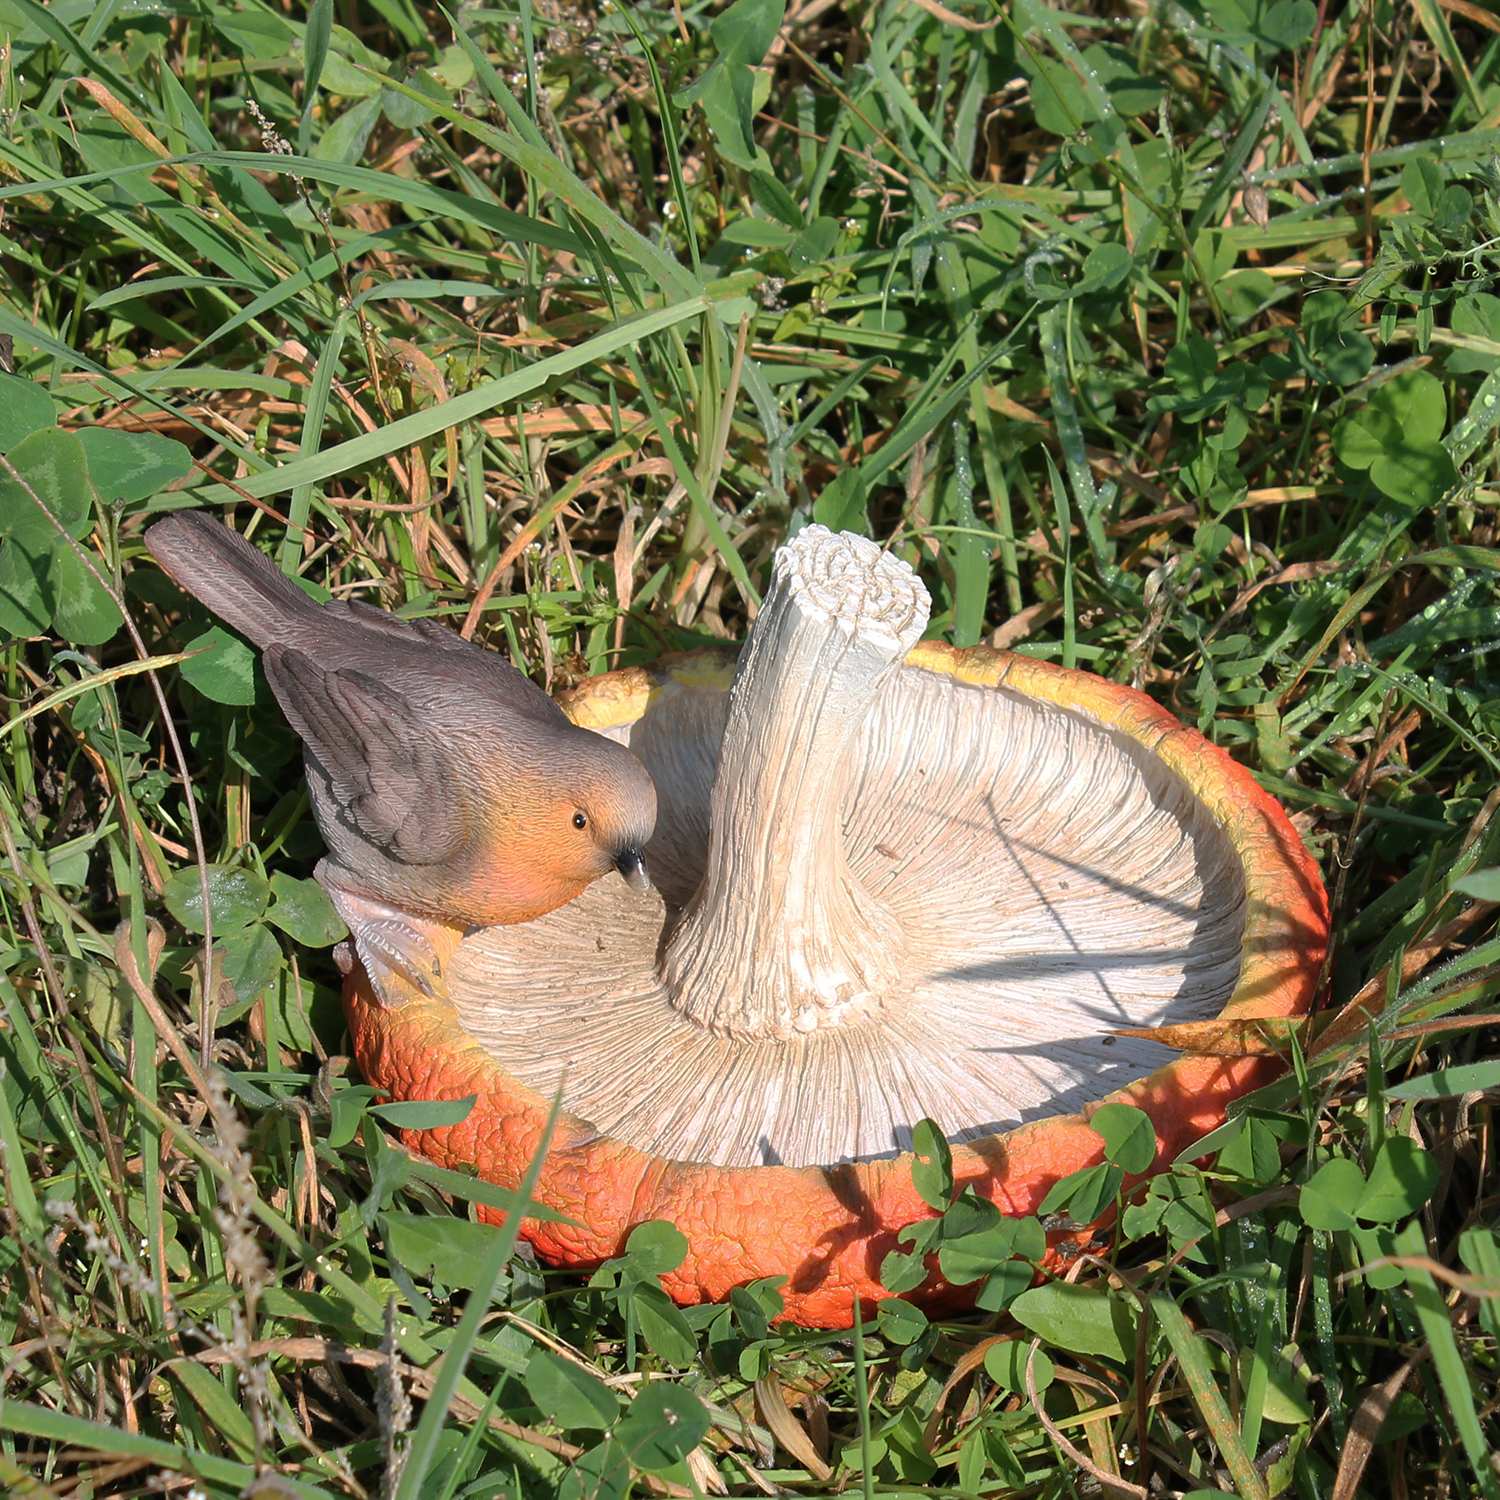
(631, 863)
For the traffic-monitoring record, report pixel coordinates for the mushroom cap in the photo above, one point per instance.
(827, 1226)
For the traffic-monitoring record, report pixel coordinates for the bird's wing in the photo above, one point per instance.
(369, 618)
(493, 678)
(389, 771)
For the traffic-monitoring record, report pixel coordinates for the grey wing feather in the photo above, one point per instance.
(390, 775)
(410, 632)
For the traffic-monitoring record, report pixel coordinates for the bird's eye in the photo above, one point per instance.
(580, 821)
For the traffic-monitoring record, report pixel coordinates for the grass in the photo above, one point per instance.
(1163, 339)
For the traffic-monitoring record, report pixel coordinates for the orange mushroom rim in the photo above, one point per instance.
(827, 1229)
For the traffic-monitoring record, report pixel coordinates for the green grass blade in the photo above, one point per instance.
(1453, 1376)
(423, 1449)
(1192, 1358)
(420, 425)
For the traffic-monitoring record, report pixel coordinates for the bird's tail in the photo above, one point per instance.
(238, 583)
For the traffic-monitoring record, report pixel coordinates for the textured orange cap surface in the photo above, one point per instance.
(827, 1229)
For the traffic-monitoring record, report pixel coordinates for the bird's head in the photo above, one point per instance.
(610, 814)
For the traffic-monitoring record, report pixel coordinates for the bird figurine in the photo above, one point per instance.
(445, 783)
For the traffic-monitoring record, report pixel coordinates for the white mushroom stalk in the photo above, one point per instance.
(781, 938)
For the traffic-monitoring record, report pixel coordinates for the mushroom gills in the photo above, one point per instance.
(907, 896)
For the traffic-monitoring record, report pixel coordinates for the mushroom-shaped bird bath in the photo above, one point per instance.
(893, 880)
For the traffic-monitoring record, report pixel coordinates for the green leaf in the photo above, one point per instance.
(291, 1003)
(1140, 1219)
(82, 610)
(1254, 1153)
(1130, 92)
(1192, 366)
(970, 1257)
(1362, 439)
(768, 193)
(315, 38)
(1085, 1194)
(1378, 1244)
(1106, 267)
(756, 1305)
(302, 910)
(68, 866)
(841, 505)
(425, 1114)
(666, 1331)
(418, 425)
(1328, 1199)
(236, 897)
(1416, 401)
(345, 139)
(1189, 1215)
(1415, 474)
(603, 1473)
(901, 1322)
(1245, 295)
(1422, 183)
(754, 1359)
(132, 466)
(1399, 427)
(51, 464)
(1031, 1238)
(757, 234)
(1402, 1178)
(341, 77)
(259, 34)
(900, 1272)
(932, 1164)
(815, 243)
(1464, 1403)
(1478, 315)
(460, 1344)
(406, 113)
(742, 35)
(345, 1111)
(569, 1395)
(226, 1416)
(1005, 1364)
(1128, 1134)
(1083, 1320)
(987, 1251)
(1005, 1285)
(973, 1461)
(251, 959)
(25, 600)
(967, 1214)
(1285, 1401)
(1058, 104)
(1288, 23)
(1480, 1252)
(224, 667)
(432, 1247)
(664, 1424)
(656, 1247)
(25, 407)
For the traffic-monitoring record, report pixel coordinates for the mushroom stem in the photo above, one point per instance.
(780, 938)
